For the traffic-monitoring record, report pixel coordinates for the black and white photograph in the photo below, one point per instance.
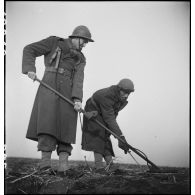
(97, 97)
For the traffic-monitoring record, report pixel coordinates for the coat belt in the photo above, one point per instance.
(63, 71)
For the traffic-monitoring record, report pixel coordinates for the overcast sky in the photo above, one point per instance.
(147, 42)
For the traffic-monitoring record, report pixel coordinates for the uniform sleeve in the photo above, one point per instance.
(108, 113)
(33, 50)
(77, 90)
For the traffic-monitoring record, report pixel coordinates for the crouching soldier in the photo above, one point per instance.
(53, 121)
(107, 102)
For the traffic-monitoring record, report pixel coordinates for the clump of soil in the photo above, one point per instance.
(22, 177)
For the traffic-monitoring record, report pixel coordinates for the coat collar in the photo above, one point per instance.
(70, 43)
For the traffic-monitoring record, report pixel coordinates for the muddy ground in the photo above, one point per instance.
(21, 177)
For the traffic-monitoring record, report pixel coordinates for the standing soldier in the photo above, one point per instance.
(53, 121)
(107, 102)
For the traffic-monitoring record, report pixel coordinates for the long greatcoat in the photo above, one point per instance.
(108, 104)
(50, 114)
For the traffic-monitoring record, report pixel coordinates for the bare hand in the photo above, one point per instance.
(91, 114)
(32, 75)
(78, 106)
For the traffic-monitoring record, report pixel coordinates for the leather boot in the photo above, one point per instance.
(45, 160)
(63, 162)
(98, 160)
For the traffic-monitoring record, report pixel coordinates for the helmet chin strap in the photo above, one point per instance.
(80, 48)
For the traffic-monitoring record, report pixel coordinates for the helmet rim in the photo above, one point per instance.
(80, 36)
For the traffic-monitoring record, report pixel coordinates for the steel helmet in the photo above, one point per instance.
(126, 85)
(82, 32)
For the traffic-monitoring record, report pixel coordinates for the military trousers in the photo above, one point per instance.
(48, 143)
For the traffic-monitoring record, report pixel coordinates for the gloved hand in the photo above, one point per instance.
(32, 75)
(122, 145)
(78, 106)
(91, 114)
